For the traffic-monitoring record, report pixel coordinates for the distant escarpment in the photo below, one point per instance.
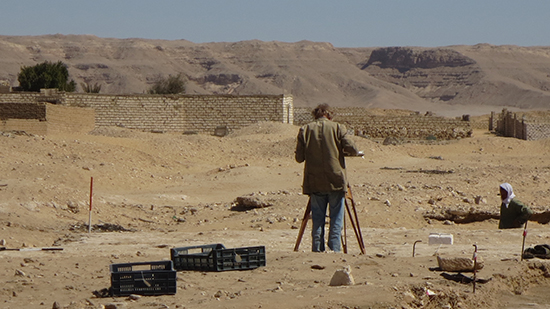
(403, 58)
(483, 76)
(438, 74)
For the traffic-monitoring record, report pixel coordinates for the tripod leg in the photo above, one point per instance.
(354, 228)
(359, 233)
(303, 226)
(344, 237)
(355, 224)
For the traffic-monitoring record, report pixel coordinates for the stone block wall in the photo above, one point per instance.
(181, 113)
(510, 125)
(170, 113)
(413, 126)
(536, 131)
(288, 109)
(23, 97)
(482, 123)
(142, 112)
(205, 113)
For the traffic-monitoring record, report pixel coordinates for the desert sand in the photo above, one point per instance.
(174, 190)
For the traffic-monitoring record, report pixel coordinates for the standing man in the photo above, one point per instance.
(322, 144)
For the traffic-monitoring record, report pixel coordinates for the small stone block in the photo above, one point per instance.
(440, 239)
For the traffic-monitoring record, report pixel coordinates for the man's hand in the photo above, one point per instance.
(357, 154)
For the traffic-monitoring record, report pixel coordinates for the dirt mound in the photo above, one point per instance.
(117, 132)
(266, 128)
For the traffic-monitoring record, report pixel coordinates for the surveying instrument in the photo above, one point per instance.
(352, 215)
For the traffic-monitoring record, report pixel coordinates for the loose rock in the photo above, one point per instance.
(459, 263)
(342, 277)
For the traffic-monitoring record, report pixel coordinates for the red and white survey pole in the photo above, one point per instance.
(90, 212)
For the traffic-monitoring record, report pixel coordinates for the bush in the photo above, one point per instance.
(170, 85)
(45, 75)
(95, 88)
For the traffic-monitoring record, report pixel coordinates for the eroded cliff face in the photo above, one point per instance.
(435, 74)
(405, 58)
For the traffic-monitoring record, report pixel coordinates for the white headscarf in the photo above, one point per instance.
(508, 188)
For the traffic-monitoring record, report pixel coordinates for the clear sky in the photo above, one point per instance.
(344, 23)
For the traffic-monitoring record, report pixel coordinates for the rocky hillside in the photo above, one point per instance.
(434, 74)
(392, 77)
(481, 74)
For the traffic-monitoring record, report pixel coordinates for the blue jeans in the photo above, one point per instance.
(319, 201)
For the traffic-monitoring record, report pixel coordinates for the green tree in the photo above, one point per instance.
(169, 85)
(46, 75)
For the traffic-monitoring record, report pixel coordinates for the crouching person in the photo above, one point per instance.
(513, 213)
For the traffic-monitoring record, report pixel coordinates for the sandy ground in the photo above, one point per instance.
(172, 190)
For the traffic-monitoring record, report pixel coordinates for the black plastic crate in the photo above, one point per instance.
(216, 257)
(145, 278)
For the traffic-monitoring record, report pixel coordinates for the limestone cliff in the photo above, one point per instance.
(438, 74)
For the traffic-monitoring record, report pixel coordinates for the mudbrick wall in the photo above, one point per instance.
(414, 126)
(62, 119)
(170, 113)
(510, 125)
(44, 118)
(32, 126)
(22, 111)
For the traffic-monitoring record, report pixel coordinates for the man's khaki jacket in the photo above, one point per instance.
(322, 144)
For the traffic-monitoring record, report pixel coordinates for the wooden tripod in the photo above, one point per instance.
(352, 214)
